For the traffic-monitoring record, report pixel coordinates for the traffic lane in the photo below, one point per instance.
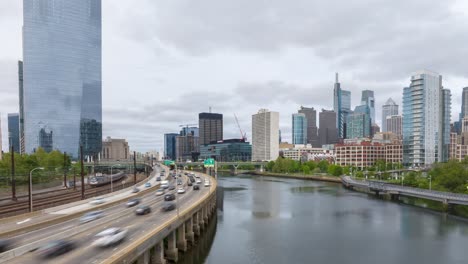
(51, 230)
(84, 239)
(96, 255)
(27, 221)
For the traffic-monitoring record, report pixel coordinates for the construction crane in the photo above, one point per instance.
(243, 135)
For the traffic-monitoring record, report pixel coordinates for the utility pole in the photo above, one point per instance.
(13, 181)
(82, 173)
(134, 167)
(65, 169)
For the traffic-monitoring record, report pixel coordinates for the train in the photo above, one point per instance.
(101, 179)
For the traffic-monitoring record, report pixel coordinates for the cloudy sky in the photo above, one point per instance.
(166, 61)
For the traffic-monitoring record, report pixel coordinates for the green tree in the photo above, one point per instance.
(323, 166)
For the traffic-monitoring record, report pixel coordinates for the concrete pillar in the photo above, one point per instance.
(201, 219)
(172, 252)
(181, 241)
(196, 226)
(189, 234)
(205, 214)
(145, 258)
(158, 254)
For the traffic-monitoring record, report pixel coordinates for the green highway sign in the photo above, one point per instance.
(209, 163)
(169, 162)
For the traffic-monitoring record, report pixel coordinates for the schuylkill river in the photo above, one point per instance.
(276, 220)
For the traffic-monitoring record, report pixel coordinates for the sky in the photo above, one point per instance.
(166, 61)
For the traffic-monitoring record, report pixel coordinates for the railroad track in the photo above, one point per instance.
(70, 195)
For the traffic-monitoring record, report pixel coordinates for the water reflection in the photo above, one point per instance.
(266, 198)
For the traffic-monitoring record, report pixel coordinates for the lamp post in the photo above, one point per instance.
(30, 187)
(112, 186)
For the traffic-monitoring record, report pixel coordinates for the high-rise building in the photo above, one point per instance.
(170, 145)
(327, 132)
(426, 120)
(265, 127)
(464, 110)
(390, 108)
(358, 124)
(195, 131)
(13, 132)
(311, 117)
(341, 106)
(368, 99)
(299, 129)
(211, 127)
(62, 95)
(187, 147)
(21, 108)
(393, 124)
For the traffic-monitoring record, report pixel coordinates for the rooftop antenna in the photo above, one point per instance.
(336, 77)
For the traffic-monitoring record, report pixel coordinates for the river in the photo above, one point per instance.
(277, 220)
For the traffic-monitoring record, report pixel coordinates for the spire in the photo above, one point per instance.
(336, 77)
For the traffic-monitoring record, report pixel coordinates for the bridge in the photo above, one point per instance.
(152, 238)
(378, 187)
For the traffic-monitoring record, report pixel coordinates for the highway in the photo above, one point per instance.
(115, 216)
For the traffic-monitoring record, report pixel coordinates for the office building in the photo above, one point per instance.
(312, 130)
(341, 106)
(170, 146)
(187, 147)
(390, 108)
(21, 108)
(299, 129)
(265, 127)
(195, 131)
(464, 110)
(374, 129)
(13, 132)
(328, 133)
(367, 98)
(426, 120)
(62, 103)
(211, 127)
(393, 124)
(358, 124)
(115, 149)
(365, 154)
(227, 150)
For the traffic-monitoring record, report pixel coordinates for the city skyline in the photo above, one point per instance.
(166, 58)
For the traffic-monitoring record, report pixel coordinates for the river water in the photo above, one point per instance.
(276, 220)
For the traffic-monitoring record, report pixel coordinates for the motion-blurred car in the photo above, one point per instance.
(198, 181)
(160, 192)
(97, 201)
(142, 210)
(110, 236)
(181, 190)
(56, 248)
(147, 185)
(169, 197)
(207, 183)
(5, 245)
(196, 187)
(91, 216)
(168, 207)
(179, 182)
(171, 187)
(189, 183)
(158, 178)
(133, 202)
(135, 190)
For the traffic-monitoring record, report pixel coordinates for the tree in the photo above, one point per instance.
(323, 165)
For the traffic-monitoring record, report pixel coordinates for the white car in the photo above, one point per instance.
(180, 190)
(91, 216)
(198, 181)
(97, 201)
(207, 183)
(110, 236)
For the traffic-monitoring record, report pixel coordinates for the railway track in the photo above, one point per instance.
(65, 196)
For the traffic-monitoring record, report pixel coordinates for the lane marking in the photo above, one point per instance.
(24, 221)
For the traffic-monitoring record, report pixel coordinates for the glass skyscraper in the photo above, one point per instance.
(62, 97)
(426, 120)
(367, 98)
(390, 108)
(342, 107)
(13, 132)
(358, 123)
(170, 145)
(299, 129)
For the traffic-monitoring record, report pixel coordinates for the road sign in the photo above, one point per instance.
(209, 163)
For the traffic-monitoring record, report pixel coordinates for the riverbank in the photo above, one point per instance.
(299, 176)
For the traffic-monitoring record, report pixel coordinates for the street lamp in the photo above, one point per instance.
(112, 186)
(30, 187)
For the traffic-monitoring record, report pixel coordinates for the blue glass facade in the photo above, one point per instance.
(13, 132)
(62, 97)
(358, 123)
(227, 150)
(170, 145)
(299, 129)
(342, 107)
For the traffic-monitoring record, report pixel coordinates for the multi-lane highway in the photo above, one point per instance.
(117, 215)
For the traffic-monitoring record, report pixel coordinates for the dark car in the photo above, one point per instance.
(142, 210)
(179, 182)
(133, 202)
(171, 187)
(56, 248)
(169, 197)
(158, 178)
(168, 207)
(192, 179)
(196, 187)
(135, 190)
(5, 245)
(189, 183)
